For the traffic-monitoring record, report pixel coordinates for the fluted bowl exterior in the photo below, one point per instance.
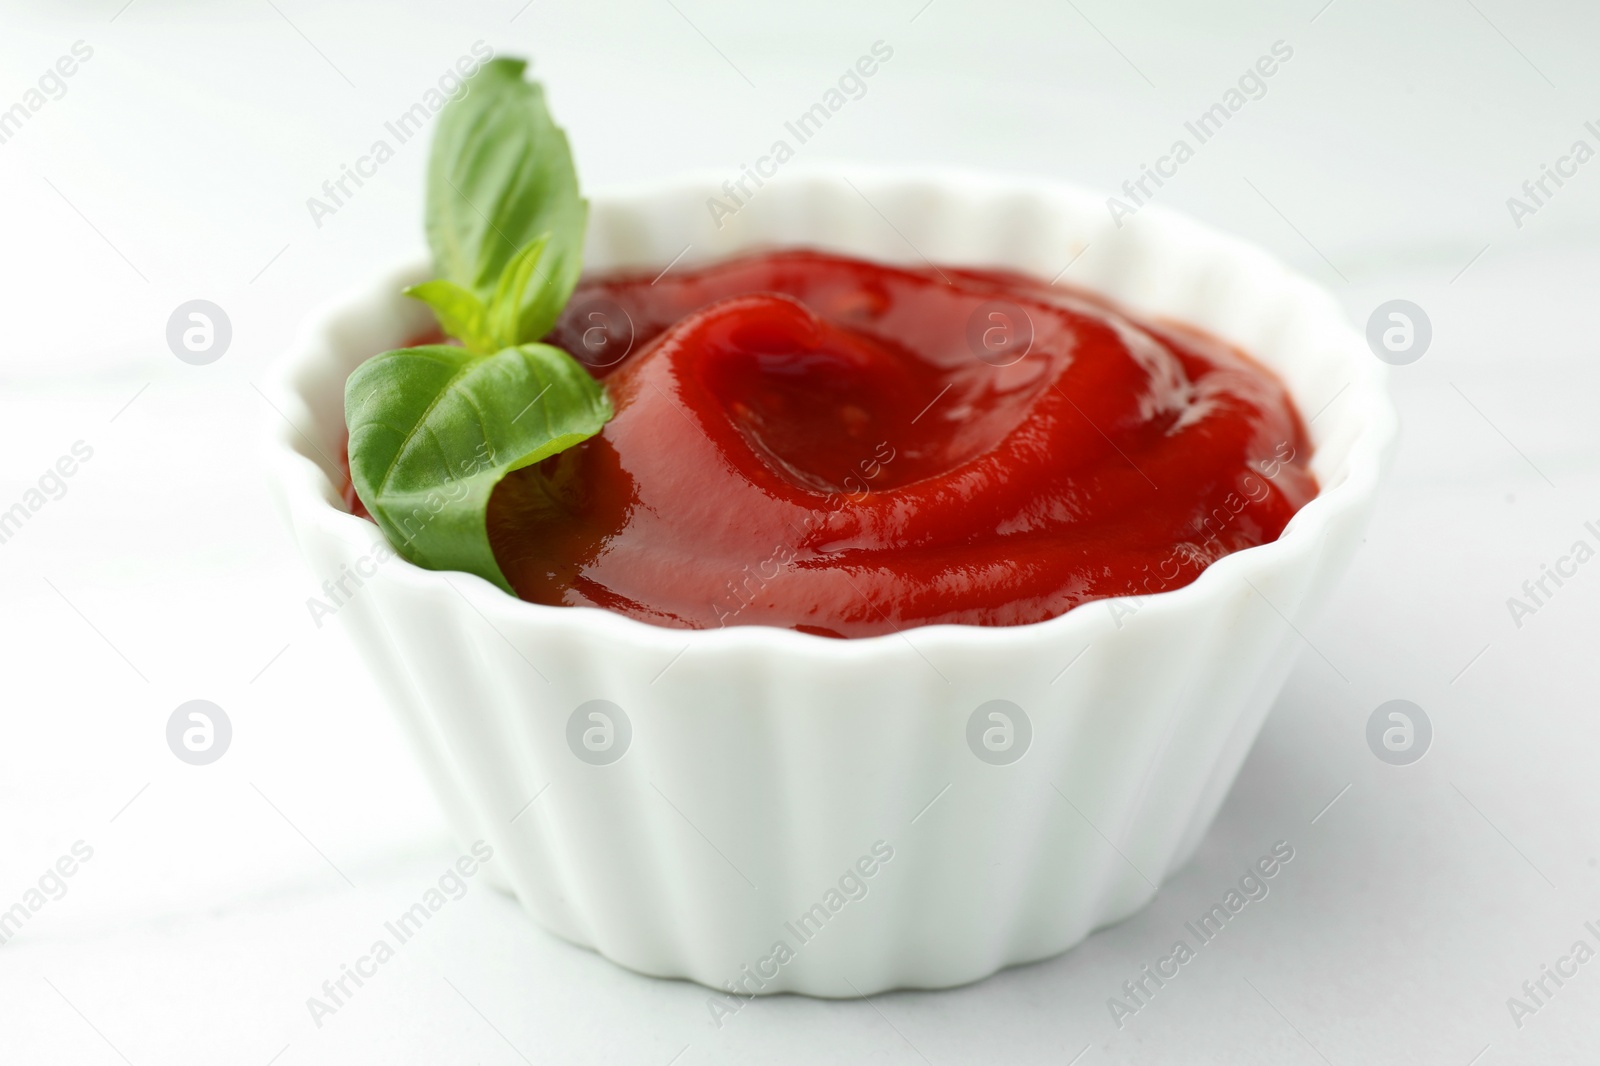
(794, 813)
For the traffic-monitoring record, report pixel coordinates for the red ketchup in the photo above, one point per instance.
(850, 449)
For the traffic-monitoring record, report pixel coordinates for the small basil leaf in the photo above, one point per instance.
(434, 429)
(460, 313)
(501, 176)
(505, 306)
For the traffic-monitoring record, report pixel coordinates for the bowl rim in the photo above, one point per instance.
(308, 492)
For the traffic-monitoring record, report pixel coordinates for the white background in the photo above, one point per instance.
(177, 165)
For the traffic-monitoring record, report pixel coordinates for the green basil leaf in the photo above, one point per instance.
(460, 313)
(434, 429)
(500, 177)
(505, 306)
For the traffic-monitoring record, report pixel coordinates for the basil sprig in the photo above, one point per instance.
(434, 429)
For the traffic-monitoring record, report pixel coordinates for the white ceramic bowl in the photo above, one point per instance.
(764, 765)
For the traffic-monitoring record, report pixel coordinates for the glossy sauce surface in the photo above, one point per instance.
(851, 449)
